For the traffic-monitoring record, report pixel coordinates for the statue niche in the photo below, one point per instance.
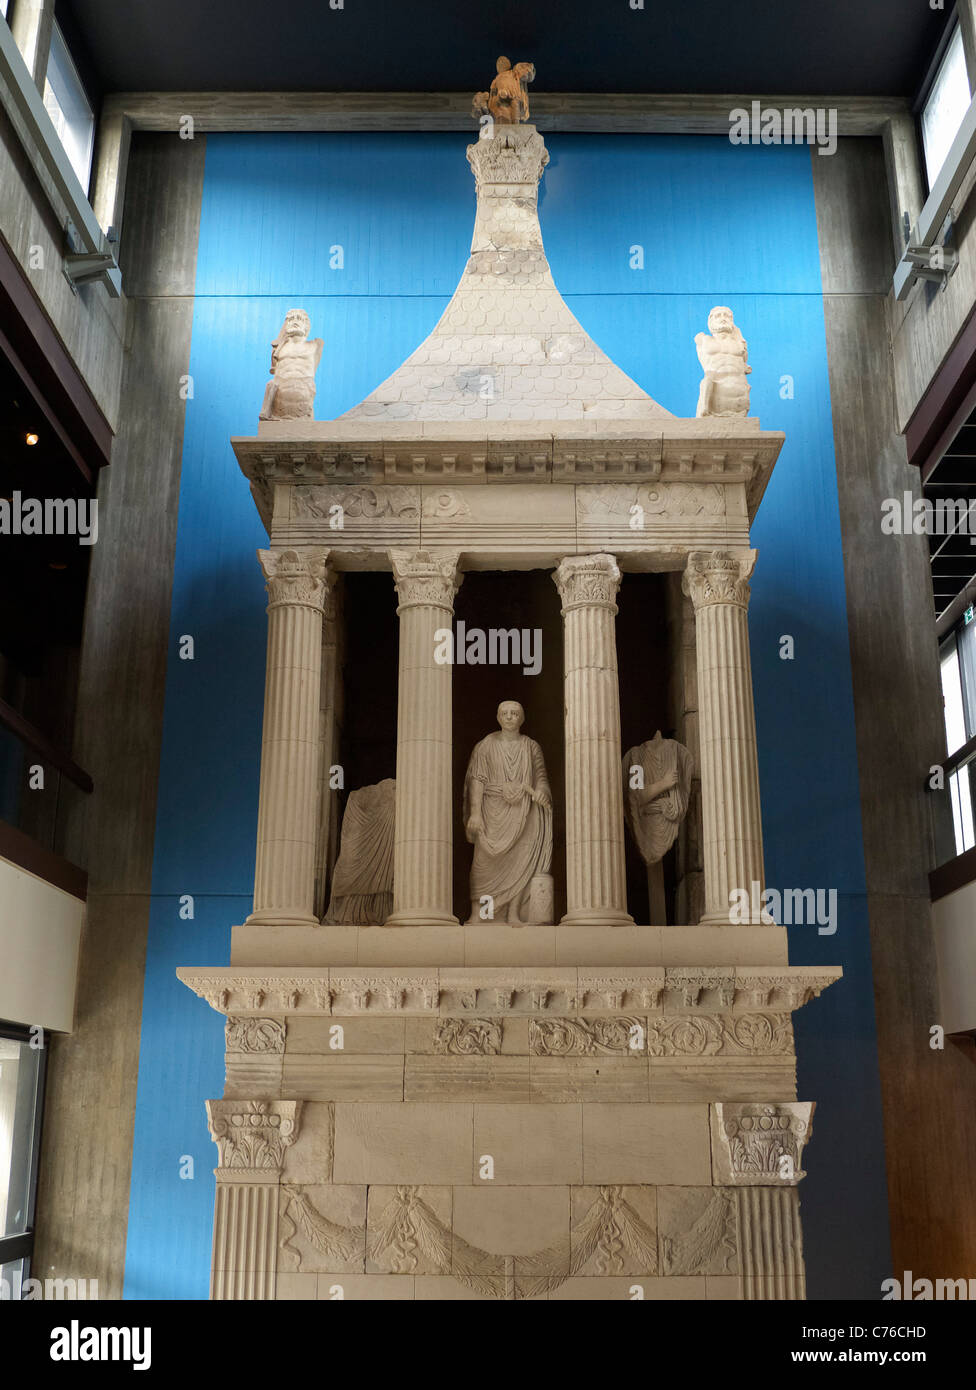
(723, 354)
(508, 819)
(507, 100)
(657, 788)
(295, 358)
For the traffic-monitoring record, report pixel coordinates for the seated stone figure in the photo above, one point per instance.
(508, 818)
(507, 100)
(290, 393)
(362, 881)
(723, 354)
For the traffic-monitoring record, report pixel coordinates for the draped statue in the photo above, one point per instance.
(362, 881)
(657, 788)
(508, 819)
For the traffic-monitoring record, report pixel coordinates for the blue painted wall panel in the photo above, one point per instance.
(718, 224)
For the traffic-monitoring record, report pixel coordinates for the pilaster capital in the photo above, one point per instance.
(718, 576)
(427, 578)
(298, 578)
(759, 1144)
(588, 581)
(252, 1135)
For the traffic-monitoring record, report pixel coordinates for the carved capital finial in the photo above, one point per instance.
(426, 577)
(718, 577)
(760, 1144)
(252, 1135)
(588, 581)
(508, 155)
(298, 577)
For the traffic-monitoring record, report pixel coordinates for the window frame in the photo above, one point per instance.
(81, 91)
(20, 1246)
(952, 28)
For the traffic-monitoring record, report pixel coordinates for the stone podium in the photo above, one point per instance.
(594, 1108)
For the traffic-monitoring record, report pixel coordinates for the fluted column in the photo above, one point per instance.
(251, 1136)
(718, 585)
(284, 871)
(596, 886)
(423, 845)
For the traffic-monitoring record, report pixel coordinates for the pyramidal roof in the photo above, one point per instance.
(507, 346)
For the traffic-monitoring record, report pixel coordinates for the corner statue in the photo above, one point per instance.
(294, 361)
(723, 356)
(508, 819)
(657, 787)
(507, 101)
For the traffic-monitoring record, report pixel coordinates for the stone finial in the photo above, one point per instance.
(507, 100)
(295, 358)
(723, 354)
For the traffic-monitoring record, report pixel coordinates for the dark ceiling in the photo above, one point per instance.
(842, 47)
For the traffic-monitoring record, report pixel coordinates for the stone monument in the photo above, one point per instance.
(657, 788)
(633, 1084)
(723, 355)
(508, 819)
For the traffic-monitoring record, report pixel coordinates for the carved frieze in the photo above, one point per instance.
(630, 505)
(357, 503)
(468, 1037)
(252, 1135)
(698, 1230)
(714, 1035)
(587, 1037)
(255, 1035)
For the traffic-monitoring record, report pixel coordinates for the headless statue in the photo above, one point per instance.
(657, 788)
(507, 101)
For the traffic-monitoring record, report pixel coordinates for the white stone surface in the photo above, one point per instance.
(507, 346)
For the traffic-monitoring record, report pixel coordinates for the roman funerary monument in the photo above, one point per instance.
(548, 1099)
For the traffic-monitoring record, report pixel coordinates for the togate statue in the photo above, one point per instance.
(507, 100)
(295, 358)
(508, 819)
(362, 881)
(723, 355)
(657, 788)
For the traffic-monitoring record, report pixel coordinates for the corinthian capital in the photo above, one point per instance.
(760, 1145)
(512, 154)
(588, 581)
(426, 577)
(252, 1135)
(718, 576)
(298, 577)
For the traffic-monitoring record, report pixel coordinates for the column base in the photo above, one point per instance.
(282, 919)
(597, 917)
(421, 919)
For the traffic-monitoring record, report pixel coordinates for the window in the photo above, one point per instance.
(69, 108)
(945, 105)
(21, 1102)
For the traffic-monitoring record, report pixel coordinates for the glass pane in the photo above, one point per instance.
(955, 720)
(19, 1117)
(12, 1280)
(966, 647)
(945, 107)
(69, 109)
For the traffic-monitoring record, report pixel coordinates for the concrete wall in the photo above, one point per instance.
(91, 1094)
(929, 1097)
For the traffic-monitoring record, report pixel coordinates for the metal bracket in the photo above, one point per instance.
(83, 267)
